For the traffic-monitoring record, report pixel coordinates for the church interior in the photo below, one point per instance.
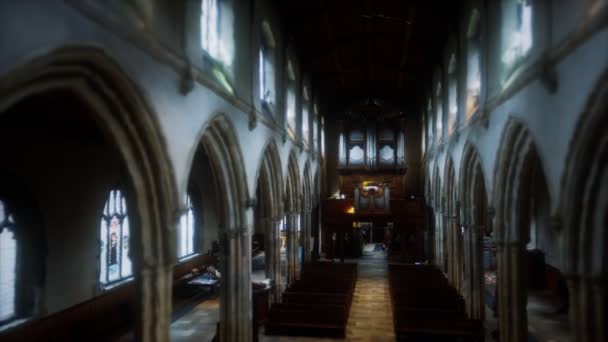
(266, 170)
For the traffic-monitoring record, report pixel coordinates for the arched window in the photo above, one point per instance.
(305, 118)
(341, 151)
(210, 27)
(452, 95)
(473, 65)
(519, 31)
(315, 129)
(429, 113)
(8, 259)
(186, 231)
(266, 68)
(291, 113)
(323, 136)
(114, 235)
(439, 112)
(423, 134)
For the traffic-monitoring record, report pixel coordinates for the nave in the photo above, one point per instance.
(177, 169)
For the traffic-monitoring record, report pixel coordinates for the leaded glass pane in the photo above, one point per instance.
(8, 259)
(115, 263)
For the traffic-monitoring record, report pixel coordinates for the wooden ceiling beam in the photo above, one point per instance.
(408, 29)
(330, 39)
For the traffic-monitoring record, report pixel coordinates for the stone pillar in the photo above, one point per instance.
(155, 284)
(292, 247)
(235, 298)
(450, 247)
(273, 258)
(513, 292)
(476, 274)
(587, 307)
(306, 235)
(440, 239)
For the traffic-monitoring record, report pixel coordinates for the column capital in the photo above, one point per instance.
(232, 234)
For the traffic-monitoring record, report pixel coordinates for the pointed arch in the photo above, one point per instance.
(584, 202)
(518, 172)
(123, 114)
(516, 164)
(474, 202)
(270, 174)
(221, 144)
(307, 186)
(292, 183)
(219, 141)
(471, 180)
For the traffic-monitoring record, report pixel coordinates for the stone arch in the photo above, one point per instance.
(220, 143)
(124, 115)
(451, 224)
(269, 201)
(584, 202)
(269, 173)
(436, 203)
(306, 211)
(293, 206)
(517, 170)
(474, 204)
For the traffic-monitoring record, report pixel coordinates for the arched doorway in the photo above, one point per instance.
(527, 244)
(293, 205)
(480, 248)
(584, 203)
(218, 155)
(268, 217)
(75, 115)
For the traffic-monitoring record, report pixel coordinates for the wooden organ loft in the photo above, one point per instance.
(372, 205)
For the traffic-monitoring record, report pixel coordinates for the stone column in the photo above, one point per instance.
(235, 298)
(292, 247)
(273, 258)
(477, 272)
(587, 307)
(440, 241)
(513, 292)
(467, 283)
(306, 235)
(155, 284)
(502, 297)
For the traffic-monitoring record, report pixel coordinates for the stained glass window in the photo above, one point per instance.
(519, 41)
(186, 231)
(8, 259)
(210, 27)
(114, 236)
(439, 113)
(305, 128)
(291, 113)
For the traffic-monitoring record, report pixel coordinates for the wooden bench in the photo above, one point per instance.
(306, 320)
(427, 308)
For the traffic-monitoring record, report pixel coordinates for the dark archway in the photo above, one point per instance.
(117, 114)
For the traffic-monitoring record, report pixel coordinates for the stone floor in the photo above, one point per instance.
(371, 317)
(197, 325)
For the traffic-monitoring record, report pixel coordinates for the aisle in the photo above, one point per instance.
(371, 316)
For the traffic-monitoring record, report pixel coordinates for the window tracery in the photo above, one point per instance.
(114, 236)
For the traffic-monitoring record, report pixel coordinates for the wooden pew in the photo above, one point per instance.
(318, 304)
(306, 320)
(427, 308)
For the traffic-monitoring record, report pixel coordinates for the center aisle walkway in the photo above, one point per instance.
(371, 316)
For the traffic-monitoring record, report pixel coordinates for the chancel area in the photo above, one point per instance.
(265, 170)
